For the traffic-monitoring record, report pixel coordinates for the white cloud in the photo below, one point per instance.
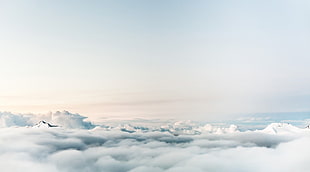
(64, 119)
(8, 119)
(111, 149)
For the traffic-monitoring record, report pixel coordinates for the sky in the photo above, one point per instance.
(155, 59)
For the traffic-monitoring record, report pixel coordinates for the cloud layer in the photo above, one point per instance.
(172, 147)
(64, 119)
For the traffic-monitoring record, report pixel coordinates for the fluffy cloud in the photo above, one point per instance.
(69, 120)
(8, 119)
(107, 148)
(64, 119)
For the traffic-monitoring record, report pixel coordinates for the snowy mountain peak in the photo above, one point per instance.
(281, 128)
(44, 124)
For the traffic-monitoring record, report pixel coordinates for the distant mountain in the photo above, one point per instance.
(44, 124)
(281, 128)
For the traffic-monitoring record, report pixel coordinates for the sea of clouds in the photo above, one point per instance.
(147, 146)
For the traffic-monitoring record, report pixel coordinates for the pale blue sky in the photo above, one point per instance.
(187, 59)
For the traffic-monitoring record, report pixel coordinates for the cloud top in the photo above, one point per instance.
(180, 146)
(64, 119)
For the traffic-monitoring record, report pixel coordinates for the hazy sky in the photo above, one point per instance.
(161, 58)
